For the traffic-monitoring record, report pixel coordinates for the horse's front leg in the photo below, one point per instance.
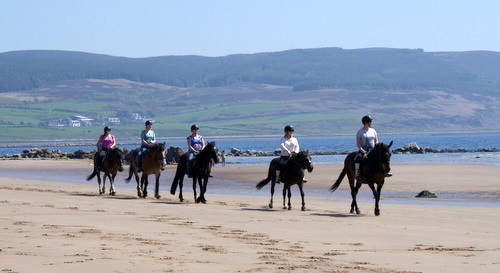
(144, 185)
(354, 193)
(284, 197)
(289, 197)
(376, 194)
(194, 190)
(157, 186)
(302, 195)
(181, 184)
(112, 190)
(203, 189)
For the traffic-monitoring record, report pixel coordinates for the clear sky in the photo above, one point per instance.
(149, 28)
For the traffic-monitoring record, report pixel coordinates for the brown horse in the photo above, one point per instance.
(200, 171)
(374, 168)
(292, 174)
(113, 162)
(152, 161)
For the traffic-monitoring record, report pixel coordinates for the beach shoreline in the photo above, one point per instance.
(55, 226)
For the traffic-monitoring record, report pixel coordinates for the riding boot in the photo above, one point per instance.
(278, 179)
(121, 167)
(388, 174)
(188, 171)
(304, 180)
(356, 167)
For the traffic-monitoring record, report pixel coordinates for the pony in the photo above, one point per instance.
(292, 174)
(112, 163)
(152, 161)
(199, 171)
(373, 167)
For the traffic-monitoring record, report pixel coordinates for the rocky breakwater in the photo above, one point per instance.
(41, 153)
(413, 148)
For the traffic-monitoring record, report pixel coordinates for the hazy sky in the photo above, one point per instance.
(150, 28)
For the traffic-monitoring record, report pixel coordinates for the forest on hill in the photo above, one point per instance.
(303, 69)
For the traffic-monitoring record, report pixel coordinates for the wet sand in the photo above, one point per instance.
(50, 225)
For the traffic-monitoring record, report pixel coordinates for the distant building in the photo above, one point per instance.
(136, 116)
(114, 120)
(85, 121)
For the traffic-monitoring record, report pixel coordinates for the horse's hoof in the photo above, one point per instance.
(270, 205)
(181, 200)
(303, 208)
(158, 196)
(112, 193)
(289, 208)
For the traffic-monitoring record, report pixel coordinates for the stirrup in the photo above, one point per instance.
(389, 174)
(304, 180)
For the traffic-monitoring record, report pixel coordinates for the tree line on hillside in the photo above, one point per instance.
(304, 69)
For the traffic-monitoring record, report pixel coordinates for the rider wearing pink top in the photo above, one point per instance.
(106, 142)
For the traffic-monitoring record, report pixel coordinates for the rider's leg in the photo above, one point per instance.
(188, 164)
(357, 164)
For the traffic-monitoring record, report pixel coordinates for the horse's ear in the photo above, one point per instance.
(390, 144)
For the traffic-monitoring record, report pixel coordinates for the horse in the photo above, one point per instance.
(292, 174)
(373, 167)
(152, 161)
(199, 171)
(113, 162)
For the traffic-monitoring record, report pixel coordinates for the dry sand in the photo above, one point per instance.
(51, 226)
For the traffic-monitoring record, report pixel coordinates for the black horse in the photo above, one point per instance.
(374, 168)
(152, 161)
(292, 174)
(199, 171)
(112, 163)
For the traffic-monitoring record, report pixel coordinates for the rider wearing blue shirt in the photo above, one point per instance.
(195, 143)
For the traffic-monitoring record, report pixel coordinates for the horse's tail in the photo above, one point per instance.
(177, 177)
(92, 175)
(262, 183)
(339, 180)
(130, 173)
(179, 172)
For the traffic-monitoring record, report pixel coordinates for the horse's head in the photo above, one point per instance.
(159, 152)
(211, 147)
(304, 160)
(381, 154)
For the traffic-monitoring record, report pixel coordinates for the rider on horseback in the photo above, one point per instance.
(195, 143)
(366, 138)
(148, 139)
(289, 145)
(105, 142)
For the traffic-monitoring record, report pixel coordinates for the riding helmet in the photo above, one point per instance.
(107, 128)
(289, 128)
(366, 119)
(148, 122)
(194, 127)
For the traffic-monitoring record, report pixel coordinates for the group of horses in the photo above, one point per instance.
(374, 167)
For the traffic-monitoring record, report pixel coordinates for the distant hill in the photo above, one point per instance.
(303, 69)
(319, 91)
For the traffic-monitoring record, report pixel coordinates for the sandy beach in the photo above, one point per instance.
(48, 225)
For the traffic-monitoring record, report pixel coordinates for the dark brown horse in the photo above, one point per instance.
(152, 161)
(200, 171)
(292, 174)
(113, 162)
(374, 167)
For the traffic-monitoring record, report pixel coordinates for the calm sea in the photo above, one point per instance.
(319, 144)
(338, 144)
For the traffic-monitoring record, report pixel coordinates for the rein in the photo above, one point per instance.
(296, 163)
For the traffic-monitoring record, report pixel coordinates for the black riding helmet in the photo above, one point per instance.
(289, 128)
(366, 119)
(194, 127)
(148, 122)
(107, 128)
